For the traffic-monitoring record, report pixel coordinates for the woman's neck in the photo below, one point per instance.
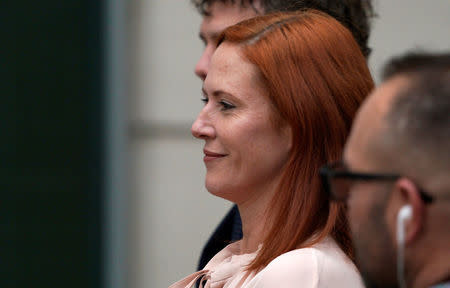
(253, 223)
(254, 219)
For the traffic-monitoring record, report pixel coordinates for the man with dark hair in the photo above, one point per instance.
(218, 15)
(396, 176)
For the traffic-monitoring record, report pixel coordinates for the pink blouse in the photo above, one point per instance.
(322, 265)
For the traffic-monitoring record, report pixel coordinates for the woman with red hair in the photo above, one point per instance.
(280, 97)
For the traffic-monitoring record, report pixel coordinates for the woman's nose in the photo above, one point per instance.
(202, 128)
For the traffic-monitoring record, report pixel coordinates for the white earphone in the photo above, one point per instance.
(405, 213)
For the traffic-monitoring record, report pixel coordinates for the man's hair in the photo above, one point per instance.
(353, 14)
(416, 62)
(420, 114)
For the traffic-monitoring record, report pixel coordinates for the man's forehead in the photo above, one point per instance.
(224, 14)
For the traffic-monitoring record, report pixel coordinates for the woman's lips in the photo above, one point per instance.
(209, 155)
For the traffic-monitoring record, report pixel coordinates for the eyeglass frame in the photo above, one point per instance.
(327, 172)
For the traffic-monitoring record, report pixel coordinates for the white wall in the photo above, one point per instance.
(172, 214)
(408, 24)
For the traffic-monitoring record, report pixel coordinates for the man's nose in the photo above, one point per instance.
(201, 68)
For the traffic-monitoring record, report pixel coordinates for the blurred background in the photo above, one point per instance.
(103, 183)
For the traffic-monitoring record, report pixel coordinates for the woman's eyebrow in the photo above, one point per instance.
(216, 93)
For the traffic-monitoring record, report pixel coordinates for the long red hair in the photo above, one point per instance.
(316, 77)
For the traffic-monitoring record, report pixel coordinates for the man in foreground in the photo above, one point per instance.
(395, 176)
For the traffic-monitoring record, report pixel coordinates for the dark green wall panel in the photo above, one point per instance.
(51, 143)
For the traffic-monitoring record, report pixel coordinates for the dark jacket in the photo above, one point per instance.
(228, 231)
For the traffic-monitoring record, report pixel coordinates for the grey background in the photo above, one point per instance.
(170, 214)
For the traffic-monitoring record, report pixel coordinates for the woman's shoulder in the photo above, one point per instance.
(322, 265)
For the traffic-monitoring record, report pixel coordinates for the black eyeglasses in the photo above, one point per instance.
(336, 179)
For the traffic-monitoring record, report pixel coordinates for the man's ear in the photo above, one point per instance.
(409, 195)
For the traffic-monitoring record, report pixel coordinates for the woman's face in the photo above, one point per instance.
(244, 152)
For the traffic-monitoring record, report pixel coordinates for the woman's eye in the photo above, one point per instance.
(226, 105)
(204, 100)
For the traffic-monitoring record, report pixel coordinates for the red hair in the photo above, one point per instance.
(317, 78)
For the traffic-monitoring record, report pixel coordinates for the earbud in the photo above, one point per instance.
(405, 213)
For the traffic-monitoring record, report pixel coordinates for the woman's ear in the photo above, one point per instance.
(286, 132)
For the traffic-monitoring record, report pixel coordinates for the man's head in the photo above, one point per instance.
(401, 139)
(219, 14)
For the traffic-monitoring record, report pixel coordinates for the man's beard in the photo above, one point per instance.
(369, 282)
(375, 253)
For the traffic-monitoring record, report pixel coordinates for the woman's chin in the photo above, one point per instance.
(221, 191)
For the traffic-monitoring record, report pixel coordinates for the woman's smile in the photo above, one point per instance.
(210, 156)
